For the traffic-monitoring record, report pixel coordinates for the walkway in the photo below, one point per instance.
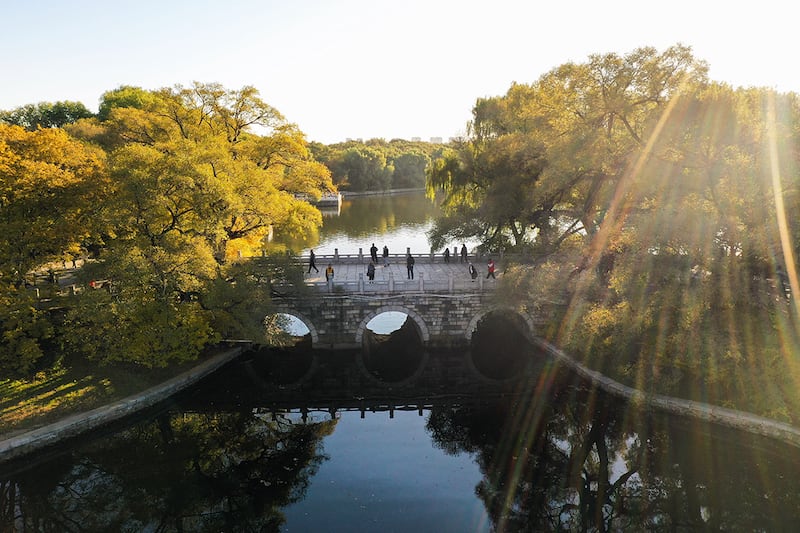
(350, 275)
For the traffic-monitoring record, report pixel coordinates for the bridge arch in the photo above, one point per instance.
(473, 324)
(302, 318)
(422, 328)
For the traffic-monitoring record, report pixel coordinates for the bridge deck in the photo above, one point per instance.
(350, 275)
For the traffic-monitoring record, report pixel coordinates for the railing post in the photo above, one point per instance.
(432, 255)
(336, 255)
(360, 255)
(480, 282)
(421, 284)
(391, 281)
(361, 282)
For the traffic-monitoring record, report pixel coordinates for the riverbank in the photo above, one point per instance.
(17, 443)
(732, 418)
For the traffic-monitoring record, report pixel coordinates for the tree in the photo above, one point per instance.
(583, 124)
(194, 188)
(364, 169)
(49, 184)
(124, 96)
(659, 205)
(489, 186)
(409, 170)
(46, 115)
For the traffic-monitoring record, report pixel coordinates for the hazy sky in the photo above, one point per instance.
(369, 68)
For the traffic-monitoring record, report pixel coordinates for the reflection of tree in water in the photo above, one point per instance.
(221, 472)
(550, 464)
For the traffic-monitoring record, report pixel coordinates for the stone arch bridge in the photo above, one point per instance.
(442, 320)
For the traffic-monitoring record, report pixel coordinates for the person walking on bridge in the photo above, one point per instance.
(371, 271)
(312, 262)
(410, 265)
(373, 252)
(385, 255)
(463, 253)
(490, 268)
(329, 273)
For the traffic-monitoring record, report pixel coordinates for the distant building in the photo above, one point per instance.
(436, 140)
(416, 139)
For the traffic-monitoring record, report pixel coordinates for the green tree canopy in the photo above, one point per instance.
(165, 193)
(45, 115)
(557, 148)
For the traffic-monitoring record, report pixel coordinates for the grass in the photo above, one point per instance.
(72, 388)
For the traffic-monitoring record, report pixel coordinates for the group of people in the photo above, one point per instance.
(373, 251)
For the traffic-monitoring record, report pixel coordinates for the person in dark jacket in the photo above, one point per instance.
(410, 265)
(371, 271)
(312, 262)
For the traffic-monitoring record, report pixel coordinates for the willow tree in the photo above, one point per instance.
(201, 175)
(543, 162)
(675, 195)
(692, 302)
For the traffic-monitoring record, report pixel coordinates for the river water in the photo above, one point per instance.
(302, 441)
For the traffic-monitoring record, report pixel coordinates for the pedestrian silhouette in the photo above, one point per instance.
(312, 262)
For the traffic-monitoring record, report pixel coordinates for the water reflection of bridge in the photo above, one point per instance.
(307, 383)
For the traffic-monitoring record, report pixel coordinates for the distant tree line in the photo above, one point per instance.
(377, 165)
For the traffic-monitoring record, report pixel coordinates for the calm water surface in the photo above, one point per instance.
(246, 451)
(398, 221)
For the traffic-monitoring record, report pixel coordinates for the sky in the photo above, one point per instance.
(365, 69)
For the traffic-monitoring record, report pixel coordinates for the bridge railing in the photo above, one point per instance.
(420, 258)
(422, 284)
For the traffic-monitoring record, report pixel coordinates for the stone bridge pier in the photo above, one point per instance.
(441, 320)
